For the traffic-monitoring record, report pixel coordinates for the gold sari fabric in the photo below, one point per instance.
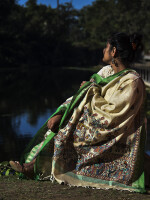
(102, 145)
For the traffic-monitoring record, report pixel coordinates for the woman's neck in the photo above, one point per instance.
(118, 68)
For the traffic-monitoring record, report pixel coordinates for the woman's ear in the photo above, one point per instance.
(113, 52)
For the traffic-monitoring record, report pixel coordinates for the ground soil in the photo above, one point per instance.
(12, 188)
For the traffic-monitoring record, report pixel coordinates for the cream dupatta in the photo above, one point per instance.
(100, 142)
(102, 145)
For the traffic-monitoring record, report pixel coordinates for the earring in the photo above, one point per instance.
(114, 62)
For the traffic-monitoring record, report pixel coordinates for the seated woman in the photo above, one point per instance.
(97, 137)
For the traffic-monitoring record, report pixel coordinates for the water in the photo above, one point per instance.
(21, 123)
(28, 99)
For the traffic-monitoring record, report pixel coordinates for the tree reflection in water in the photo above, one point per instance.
(31, 93)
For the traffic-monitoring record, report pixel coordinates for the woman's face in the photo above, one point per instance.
(107, 57)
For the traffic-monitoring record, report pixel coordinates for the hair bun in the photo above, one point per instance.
(136, 40)
(133, 46)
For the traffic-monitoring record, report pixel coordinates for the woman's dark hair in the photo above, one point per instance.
(126, 46)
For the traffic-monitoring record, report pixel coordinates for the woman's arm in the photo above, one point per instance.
(53, 122)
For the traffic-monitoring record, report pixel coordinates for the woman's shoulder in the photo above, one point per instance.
(134, 74)
(131, 76)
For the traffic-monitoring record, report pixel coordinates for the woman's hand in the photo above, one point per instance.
(83, 82)
(54, 122)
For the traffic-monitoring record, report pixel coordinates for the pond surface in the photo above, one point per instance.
(27, 100)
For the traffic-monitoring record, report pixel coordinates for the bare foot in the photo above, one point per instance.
(26, 169)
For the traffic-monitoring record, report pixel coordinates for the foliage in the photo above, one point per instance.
(36, 35)
(6, 170)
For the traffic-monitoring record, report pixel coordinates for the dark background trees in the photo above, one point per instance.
(36, 39)
(40, 36)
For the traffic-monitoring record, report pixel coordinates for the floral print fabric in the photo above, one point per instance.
(102, 140)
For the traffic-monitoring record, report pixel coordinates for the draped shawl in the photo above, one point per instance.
(101, 137)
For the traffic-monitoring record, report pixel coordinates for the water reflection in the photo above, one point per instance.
(22, 125)
(28, 99)
(11, 144)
